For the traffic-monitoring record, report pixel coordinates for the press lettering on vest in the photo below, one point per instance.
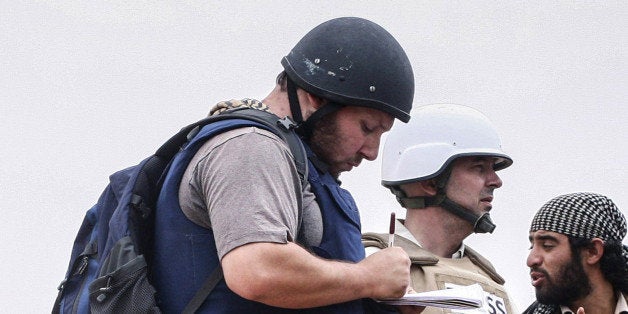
(492, 304)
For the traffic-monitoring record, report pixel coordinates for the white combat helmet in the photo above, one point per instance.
(436, 135)
(425, 147)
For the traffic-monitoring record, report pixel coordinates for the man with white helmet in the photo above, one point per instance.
(442, 167)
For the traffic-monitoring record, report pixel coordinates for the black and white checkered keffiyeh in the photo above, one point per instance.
(583, 215)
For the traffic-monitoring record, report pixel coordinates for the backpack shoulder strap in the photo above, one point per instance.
(282, 127)
(204, 291)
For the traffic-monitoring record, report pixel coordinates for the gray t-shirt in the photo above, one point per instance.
(244, 185)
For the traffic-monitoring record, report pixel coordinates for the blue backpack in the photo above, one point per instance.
(109, 269)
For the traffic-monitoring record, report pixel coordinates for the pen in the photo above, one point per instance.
(391, 230)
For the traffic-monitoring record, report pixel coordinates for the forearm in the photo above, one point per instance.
(286, 275)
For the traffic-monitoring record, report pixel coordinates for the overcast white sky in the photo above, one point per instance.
(90, 87)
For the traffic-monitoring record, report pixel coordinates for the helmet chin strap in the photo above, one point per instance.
(481, 223)
(305, 128)
(295, 106)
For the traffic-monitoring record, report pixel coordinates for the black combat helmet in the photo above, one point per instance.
(352, 61)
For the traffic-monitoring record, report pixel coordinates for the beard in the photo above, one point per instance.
(325, 141)
(570, 284)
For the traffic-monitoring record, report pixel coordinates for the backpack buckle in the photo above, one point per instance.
(286, 123)
(62, 284)
(103, 291)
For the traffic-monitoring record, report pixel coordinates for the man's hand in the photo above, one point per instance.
(410, 309)
(389, 272)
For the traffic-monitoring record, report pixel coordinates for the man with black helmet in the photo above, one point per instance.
(283, 245)
(442, 167)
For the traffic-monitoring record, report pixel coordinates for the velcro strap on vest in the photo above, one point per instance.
(417, 255)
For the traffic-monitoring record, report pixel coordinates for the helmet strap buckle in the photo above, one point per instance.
(481, 224)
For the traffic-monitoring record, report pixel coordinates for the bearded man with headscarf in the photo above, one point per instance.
(577, 260)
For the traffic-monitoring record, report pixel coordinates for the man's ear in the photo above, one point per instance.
(429, 187)
(593, 252)
(314, 100)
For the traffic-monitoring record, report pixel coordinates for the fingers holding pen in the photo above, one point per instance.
(389, 270)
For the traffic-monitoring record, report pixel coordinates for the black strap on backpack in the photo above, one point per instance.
(152, 174)
(284, 128)
(139, 187)
(204, 291)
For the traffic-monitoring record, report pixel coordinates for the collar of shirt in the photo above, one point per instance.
(622, 305)
(620, 308)
(401, 230)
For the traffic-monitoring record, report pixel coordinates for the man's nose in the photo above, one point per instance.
(533, 259)
(495, 180)
(370, 149)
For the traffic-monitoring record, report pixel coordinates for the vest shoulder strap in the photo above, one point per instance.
(422, 257)
(483, 263)
(418, 256)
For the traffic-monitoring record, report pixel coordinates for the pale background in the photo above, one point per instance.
(90, 87)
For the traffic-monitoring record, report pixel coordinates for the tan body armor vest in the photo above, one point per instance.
(430, 272)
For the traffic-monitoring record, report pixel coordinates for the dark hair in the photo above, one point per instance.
(613, 264)
(282, 80)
